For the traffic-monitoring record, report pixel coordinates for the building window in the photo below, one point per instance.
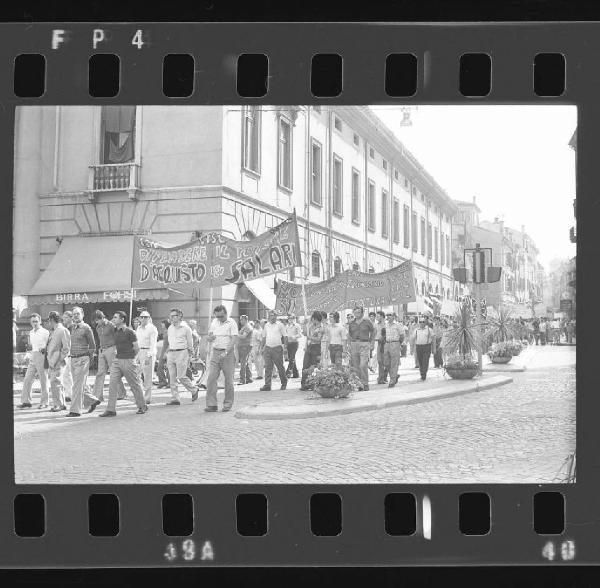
(371, 153)
(384, 162)
(396, 175)
(385, 215)
(414, 232)
(355, 196)
(356, 140)
(251, 138)
(371, 207)
(423, 236)
(118, 130)
(429, 241)
(337, 123)
(337, 266)
(442, 249)
(356, 266)
(337, 186)
(422, 288)
(422, 197)
(436, 244)
(430, 288)
(396, 222)
(316, 264)
(406, 227)
(406, 183)
(315, 195)
(414, 191)
(285, 153)
(447, 250)
(371, 269)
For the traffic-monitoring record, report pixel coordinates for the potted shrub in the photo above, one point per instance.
(500, 352)
(515, 347)
(460, 341)
(334, 381)
(502, 330)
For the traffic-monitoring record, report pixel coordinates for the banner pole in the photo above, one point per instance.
(130, 307)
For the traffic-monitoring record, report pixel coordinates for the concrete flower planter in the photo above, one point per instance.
(461, 373)
(501, 359)
(329, 393)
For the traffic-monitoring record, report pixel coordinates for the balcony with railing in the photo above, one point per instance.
(114, 177)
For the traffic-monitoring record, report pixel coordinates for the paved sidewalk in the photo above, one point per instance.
(315, 406)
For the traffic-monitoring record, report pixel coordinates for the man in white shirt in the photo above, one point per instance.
(181, 347)
(147, 335)
(222, 335)
(293, 332)
(423, 339)
(274, 338)
(38, 340)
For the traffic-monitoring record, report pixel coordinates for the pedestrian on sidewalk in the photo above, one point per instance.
(438, 332)
(244, 346)
(106, 354)
(223, 334)
(394, 337)
(293, 333)
(124, 365)
(380, 337)
(274, 338)
(83, 347)
(362, 336)
(181, 347)
(38, 339)
(423, 339)
(413, 326)
(57, 350)
(161, 370)
(372, 351)
(338, 338)
(257, 356)
(543, 331)
(147, 336)
(312, 353)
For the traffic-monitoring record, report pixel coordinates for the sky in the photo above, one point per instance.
(516, 160)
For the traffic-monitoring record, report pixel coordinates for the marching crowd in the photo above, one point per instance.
(375, 342)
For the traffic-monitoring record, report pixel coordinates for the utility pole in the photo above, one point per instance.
(478, 277)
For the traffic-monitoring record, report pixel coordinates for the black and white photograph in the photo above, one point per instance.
(304, 294)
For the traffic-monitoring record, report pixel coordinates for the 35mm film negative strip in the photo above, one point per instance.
(300, 294)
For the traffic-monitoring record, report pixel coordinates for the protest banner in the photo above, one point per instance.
(349, 289)
(214, 260)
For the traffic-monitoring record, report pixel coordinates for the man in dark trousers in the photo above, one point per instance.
(124, 366)
(423, 339)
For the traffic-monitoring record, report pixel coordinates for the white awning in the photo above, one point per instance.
(262, 288)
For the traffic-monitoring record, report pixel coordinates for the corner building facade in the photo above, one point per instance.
(362, 199)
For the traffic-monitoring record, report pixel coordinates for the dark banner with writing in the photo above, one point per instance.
(215, 260)
(349, 289)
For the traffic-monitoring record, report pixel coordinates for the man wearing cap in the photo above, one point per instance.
(106, 354)
(361, 332)
(57, 351)
(123, 366)
(38, 339)
(147, 335)
(394, 336)
(293, 332)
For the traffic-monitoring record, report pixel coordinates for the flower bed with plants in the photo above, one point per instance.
(334, 381)
(500, 352)
(460, 342)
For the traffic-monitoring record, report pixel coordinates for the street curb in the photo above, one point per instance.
(333, 407)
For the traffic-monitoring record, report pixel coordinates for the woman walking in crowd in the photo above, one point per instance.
(244, 346)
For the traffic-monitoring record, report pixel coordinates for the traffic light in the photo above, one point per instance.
(478, 266)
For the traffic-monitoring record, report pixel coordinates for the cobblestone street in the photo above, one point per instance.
(520, 432)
